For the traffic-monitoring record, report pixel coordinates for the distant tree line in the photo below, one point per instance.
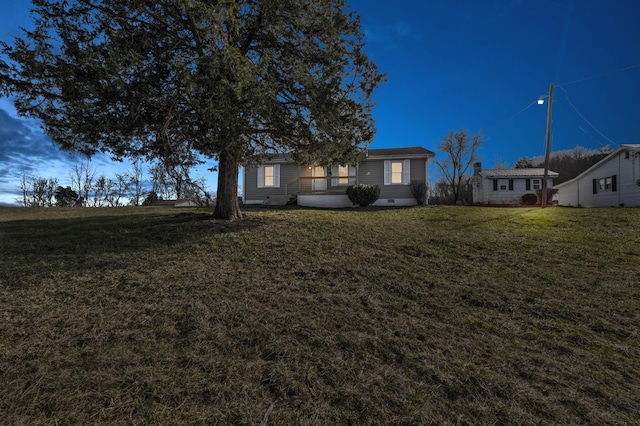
(441, 193)
(567, 163)
(89, 189)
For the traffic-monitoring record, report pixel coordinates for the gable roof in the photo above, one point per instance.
(517, 173)
(413, 151)
(614, 153)
(376, 153)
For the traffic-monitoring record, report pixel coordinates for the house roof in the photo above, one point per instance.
(517, 173)
(413, 151)
(614, 153)
(377, 153)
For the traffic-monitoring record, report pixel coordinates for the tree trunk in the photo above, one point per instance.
(227, 206)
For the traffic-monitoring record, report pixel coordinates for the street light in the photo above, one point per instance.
(543, 202)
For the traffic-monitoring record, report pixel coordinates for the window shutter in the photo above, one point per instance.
(276, 175)
(495, 184)
(528, 185)
(334, 172)
(510, 184)
(261, 177)
(387, 172)
(595, 186)
(614, 183)
(352, 172)
(406, 172)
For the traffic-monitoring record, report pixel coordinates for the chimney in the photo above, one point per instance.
(477, 168)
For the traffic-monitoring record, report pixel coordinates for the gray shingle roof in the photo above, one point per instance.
(517, 173)
(377, 153)
(393, 152)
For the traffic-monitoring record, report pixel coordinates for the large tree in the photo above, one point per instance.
(182, 80)
(459, 151)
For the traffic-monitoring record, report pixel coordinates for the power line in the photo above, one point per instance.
(511, 118)
(570, 103)
(585, 120)
(630, 67)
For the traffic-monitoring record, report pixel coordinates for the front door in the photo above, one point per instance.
(318, 184)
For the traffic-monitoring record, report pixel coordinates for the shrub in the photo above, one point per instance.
(362, 194)
(419, 191)
(550, 193)
(529, 199)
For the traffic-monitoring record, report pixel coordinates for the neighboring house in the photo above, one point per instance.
(174, 203)
(507, 186)
(280, 179)
(613, 181)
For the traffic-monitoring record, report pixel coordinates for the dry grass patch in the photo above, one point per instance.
(367, 316)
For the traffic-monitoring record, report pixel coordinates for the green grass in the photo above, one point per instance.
(311, 317)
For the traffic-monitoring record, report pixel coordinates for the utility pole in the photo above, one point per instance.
(547, 147)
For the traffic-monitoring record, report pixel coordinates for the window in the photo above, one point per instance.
(269, 176)
(343, 171)
(609, 183)
(503, 184)
(536, 183)
(397, 172)
(340, 174)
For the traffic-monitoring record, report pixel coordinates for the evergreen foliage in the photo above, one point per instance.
(67, 197)
(363, 194)
(180, 81)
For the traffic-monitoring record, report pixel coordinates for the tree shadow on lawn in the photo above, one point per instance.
(37, 246)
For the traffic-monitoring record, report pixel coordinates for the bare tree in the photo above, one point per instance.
(136, 178)
(440, 192)
(82, 177)
(122, 184)
(161, 182)
(459, 149)
(25, 189)
(37, 191)
(110, 192)
(98, 192)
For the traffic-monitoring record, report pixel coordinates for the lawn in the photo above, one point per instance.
(447, 315)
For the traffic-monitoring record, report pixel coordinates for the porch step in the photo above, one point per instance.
(278, 200)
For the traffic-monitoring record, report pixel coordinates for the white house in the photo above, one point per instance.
(613, 181)
(507, 186)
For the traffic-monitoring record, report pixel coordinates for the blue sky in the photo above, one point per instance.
(451, 64)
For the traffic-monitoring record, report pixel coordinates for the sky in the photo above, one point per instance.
(478, 65)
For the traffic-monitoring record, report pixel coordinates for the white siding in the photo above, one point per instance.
(579, 192)
(485, 194)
